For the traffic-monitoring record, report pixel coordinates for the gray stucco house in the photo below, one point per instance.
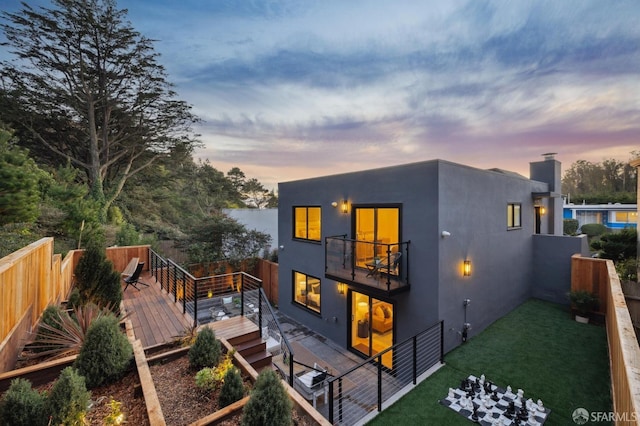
(371, 258)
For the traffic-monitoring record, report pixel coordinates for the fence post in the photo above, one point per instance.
(195, 303)
(441, 341)
(415, 359)
(184, 293)
(175, 283)
(241, 294)
(331, 402)
(340, 409)
(379, 383)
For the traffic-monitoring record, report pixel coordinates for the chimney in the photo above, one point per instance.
(549, 172)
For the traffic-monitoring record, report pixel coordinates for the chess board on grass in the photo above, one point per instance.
(483, 402)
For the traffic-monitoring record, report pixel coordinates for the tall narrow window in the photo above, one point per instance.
(377, 232)
(306, 291)
(307, 223)
(514, 216)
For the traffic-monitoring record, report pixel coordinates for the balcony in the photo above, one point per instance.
(368, 265)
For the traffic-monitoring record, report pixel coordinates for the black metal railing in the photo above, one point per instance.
(384, 266)
(353, 395)
(207, 298)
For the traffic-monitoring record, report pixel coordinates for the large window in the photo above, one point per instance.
(514, 215)
(307, 223)
(306, 291)
(377, 231)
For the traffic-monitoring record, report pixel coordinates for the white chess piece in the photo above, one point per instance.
(540, 406)
(482, 379)
(520, 393)
(529, 404)
(450, 392)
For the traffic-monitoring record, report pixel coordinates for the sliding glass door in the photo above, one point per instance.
(372, 326)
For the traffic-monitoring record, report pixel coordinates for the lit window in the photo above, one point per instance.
(625, 217)
(307, 223)
(306, 291)
(514, 216)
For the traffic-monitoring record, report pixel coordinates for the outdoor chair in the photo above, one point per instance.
(134, 280)
(390, 267)
(312, 384)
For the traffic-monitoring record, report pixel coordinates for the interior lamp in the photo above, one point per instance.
(344, 207)
(466, 268)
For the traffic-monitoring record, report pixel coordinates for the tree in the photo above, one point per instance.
(255, 194)
(222, 238)
(610, 181)
(87, 87)
(20, 179)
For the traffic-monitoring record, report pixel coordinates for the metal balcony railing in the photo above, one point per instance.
(374, 264)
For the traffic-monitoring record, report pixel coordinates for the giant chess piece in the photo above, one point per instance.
(474, 416)
(511, 410)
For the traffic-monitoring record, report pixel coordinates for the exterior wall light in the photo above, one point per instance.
(334, 204)
(342, 288)
(344, 207)
(542, 210)
(466, 268)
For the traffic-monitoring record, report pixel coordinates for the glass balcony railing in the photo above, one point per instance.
(368, 263)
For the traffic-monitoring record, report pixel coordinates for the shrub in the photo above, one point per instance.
(232, 387)
(205, 352)
(74, 299)
(583, 301)
(570, 226)
(97, 280)
(51, 318)
(22, 405)
(67, 336)
(210, 378)
(269, 404)
(105, 354)
(68, 400)
(593, 229)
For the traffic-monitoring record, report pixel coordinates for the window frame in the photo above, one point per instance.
(511, 216)
(315, 308)
(294, 222)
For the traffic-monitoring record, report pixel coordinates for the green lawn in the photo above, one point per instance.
(538, 348)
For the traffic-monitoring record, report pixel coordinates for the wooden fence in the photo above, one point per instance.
(33, 278)
(599, 276)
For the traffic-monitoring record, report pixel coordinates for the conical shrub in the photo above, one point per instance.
(269, 404)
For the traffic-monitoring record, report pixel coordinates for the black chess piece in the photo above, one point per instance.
(463, 384)
(474, 416)
(495, 396)
(511, 410)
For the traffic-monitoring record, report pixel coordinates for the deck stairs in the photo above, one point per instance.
(253, 349)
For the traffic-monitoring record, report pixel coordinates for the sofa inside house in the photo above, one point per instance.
(382, 317)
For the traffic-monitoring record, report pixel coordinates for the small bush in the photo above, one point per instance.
(74, 299)
(269, 404)
(205, 352)
(209, 379)
(593, 229)
(570, 226)
(22, 405)
(67, 403)
(232, 388)
(105, 354)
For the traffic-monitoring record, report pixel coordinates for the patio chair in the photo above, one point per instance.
(134, 280)
(390, 267)
(312, 384)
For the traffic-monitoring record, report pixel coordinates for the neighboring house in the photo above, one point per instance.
(613, 216)
(371, 258)
(263, 220)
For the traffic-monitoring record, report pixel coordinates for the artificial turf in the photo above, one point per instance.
(539, 348)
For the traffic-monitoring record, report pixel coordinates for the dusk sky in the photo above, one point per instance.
(296, 89)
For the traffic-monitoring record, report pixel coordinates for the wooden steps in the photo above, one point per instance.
(252, 349)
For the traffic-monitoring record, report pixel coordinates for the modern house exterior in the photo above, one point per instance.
(613, 216)
(371, 258)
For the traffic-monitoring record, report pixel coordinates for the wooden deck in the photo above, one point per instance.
(155, 317)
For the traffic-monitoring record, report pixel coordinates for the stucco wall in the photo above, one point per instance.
(473, 208)
(552, 265)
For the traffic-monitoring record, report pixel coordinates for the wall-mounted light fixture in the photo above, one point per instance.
(342, 288)
(466, 268)
(344, 208)
(445, 234)
(542, 210)
(210, 294)
(334, 204)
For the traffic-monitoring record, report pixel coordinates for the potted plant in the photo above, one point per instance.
(583, 302)
(237, 302)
